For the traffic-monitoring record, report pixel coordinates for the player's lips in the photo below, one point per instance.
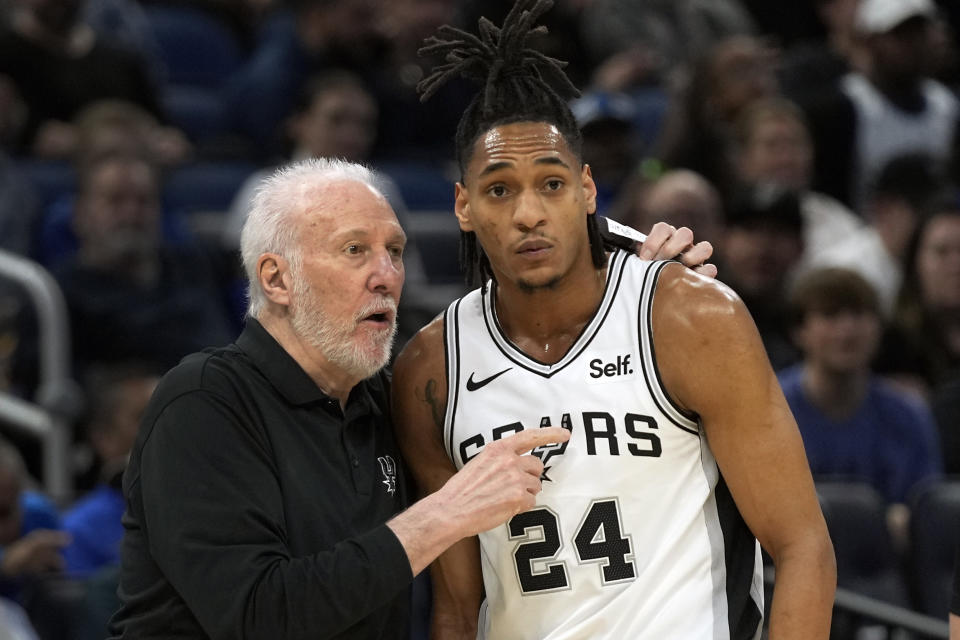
(533, 248)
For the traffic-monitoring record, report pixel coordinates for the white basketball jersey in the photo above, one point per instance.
(635, 534)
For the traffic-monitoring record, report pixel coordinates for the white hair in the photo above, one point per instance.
(268, 228)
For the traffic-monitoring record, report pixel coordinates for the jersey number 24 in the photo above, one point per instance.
(599, 539)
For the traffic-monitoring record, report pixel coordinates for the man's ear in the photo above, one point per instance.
(461, 207)
(273, 277)
(589, 189)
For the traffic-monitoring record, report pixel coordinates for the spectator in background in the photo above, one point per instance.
(116, 399)
(924, 346)
(762, 245)
(853, 424)
(699, 128)
(308, 39)
(680, 198)
(125, 24)
(30, 535)
(18, 209)
(414, 129)
(59, 66)
(772, 145)
(676, 32)
(611, 144)
(31, 543)
(109, 124)
(810, 70)
(102, 128)
(130, 295)
(890, 108)
(897, 200)
(375, 40)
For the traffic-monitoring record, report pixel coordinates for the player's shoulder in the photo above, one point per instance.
(684, 295)
(423, 353)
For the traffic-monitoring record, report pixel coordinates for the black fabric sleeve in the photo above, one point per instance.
(212, 507)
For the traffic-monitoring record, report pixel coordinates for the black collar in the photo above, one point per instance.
(286, 375)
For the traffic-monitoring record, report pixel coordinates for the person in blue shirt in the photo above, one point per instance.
(30, 538)
(117, 398)
(854, 424)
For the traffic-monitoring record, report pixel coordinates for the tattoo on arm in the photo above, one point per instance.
(433, 398)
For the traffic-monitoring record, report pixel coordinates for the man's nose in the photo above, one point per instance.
(387, 273)
(530, 211)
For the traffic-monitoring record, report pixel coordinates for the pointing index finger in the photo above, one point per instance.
(529, 439)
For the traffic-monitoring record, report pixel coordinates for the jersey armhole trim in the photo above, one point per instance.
(451, 356)
(680, 417)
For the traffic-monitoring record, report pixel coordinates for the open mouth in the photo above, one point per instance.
(380, 319)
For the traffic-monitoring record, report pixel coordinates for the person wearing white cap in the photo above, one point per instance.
(891, 107)
(881, 16)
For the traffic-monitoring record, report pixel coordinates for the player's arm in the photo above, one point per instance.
(419, 398)
(713, 362)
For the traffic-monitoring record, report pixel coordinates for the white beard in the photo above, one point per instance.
(336, 340)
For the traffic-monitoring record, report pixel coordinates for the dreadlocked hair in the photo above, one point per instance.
(517, 87)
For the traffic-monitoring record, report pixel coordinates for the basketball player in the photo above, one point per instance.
(683, 453)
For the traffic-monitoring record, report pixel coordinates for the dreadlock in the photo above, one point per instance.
(517, 87)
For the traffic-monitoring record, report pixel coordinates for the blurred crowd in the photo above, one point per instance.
(815, 143)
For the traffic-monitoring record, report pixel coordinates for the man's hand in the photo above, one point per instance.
(35, 553)
(501, 481)
(665, 242)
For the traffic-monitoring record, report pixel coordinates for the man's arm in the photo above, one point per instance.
(214, 514)
(713, 363)
(419, 402)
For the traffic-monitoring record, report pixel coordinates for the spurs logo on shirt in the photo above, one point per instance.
(634, 534)
(389, 470)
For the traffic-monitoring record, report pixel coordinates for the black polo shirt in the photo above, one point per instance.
(256, 508)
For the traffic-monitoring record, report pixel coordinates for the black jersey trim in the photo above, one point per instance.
(616, 264)
(451, 321)
(645, 325)
(744, 615)
(689, 415)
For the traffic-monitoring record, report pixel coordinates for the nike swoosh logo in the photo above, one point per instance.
(473, 386)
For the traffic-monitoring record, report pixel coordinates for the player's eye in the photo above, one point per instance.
(497, 191)
(554, 184)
